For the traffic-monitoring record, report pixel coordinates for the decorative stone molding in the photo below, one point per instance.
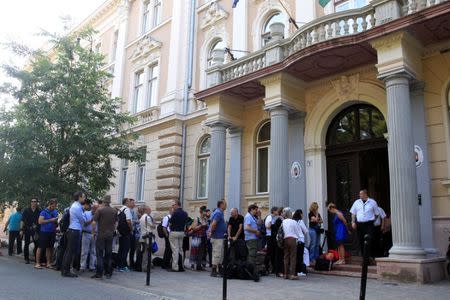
(144, 47)
(347, 87)
(213, 15)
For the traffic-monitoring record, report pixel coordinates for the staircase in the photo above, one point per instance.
(353, 268)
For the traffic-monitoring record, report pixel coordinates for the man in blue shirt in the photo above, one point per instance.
(13, 226)
(87, 239)
(73, 234)
(48, 219)
(251, 232)
(216, 232)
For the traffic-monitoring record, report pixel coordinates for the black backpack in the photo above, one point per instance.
(323, 264)
(122, 226)
(160, 229)
(65, 221)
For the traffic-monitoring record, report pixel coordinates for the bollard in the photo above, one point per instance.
(362, 291)
(225, 266)
(149, 256)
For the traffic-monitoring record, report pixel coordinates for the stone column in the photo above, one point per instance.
(216, 171)
(279, 157)
(234, 185)
(402, 171)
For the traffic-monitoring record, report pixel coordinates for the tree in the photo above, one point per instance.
(65, 128)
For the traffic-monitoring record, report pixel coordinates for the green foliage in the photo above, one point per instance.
(64, 129)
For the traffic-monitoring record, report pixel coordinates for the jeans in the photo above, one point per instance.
(29, 238)
(176, 244)
(104, 255)
(14, 236)
(314, 246)
(72, 249)
(124, 248)
(87, 249)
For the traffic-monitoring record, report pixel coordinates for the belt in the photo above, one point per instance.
(77, 230)
(87, 231)
(366, 222)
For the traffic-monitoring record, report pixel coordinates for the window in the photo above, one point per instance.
(341, 5)
(114, 45)
(262, 158)
(140, 176)
(123, 180)
(98, 48)
(203, 163)
(156, 12)
(217, 45)
(274, 18)
(357, 123)
(146, 17)
(139, 103)
(152, 84)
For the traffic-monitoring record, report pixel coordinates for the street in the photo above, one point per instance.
(21, 281)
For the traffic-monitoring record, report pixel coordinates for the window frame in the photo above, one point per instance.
(146, 17)
(138, 86)
(258, 146)
(200, 157)
(156, 13)
(265, 35)
(152, 84)
(212, 47)
(115, 43)
(123, 179)
(140, 177)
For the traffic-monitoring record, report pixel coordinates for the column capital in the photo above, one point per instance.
(218, 123)
(280, 107)
(235, 130)
(398, 78)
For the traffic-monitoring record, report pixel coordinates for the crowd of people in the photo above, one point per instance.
(97, 237)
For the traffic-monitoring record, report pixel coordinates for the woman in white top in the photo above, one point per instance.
(301, 243)
(292, 233)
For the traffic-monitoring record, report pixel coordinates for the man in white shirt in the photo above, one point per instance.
(147, 226)
(125, 234)
(271, 241)
(378, 229)
(364, 212)
(167, 251)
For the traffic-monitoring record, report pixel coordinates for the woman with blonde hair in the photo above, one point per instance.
(315, 222)
(340, 231)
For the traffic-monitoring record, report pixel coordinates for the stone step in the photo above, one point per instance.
(344, 273)
(357, 268)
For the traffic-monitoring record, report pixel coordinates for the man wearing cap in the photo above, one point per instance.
(105, 219)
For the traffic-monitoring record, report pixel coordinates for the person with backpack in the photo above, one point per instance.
(105, 219)
(269, 260)
(147, 226)
(251, 232)
(125, 228)
(163, 232)
(77, 220)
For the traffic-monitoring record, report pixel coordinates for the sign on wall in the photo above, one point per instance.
(296, 170)
(419, 156)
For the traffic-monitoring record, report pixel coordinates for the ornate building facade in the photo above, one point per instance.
(285, 103)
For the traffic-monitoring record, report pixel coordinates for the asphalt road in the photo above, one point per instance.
(21, 281)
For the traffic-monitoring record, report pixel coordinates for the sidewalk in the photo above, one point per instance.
(192, 285)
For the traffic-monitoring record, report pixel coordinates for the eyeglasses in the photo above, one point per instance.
(33, 201)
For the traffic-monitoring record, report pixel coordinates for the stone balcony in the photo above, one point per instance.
(327, 28)
(146, 116)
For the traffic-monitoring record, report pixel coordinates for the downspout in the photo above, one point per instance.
(187, 88)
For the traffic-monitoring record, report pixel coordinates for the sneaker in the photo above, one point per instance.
(97, 276)
(71, 275)
(301, 274)
(121, 270)
(126, 269)
(108, 276)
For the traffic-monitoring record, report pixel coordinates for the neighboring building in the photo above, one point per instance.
(313, 114)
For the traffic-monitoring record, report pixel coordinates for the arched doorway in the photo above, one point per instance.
(357, 158)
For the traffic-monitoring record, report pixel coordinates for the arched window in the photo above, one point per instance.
(356, 123)
(276, 17)
(219, 44)
(203, 164)
(262, 158)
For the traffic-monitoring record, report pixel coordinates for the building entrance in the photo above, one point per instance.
(357, 158)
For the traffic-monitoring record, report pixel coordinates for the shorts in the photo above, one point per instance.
(46, 240)
(217, 251)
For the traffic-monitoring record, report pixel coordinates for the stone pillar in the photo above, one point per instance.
(279, 157)
(402, 171)
(234, 185)
(216, 171)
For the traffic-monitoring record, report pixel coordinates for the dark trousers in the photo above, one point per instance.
(14, 236)
(72, 249)
(300, 251)
(124, 249)
(60, 251)
(364, 228)
(29, 238)
(376, 243)
(167, 254)
(133, 243)
(279, 264)
(103, 249)
(269, 260)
